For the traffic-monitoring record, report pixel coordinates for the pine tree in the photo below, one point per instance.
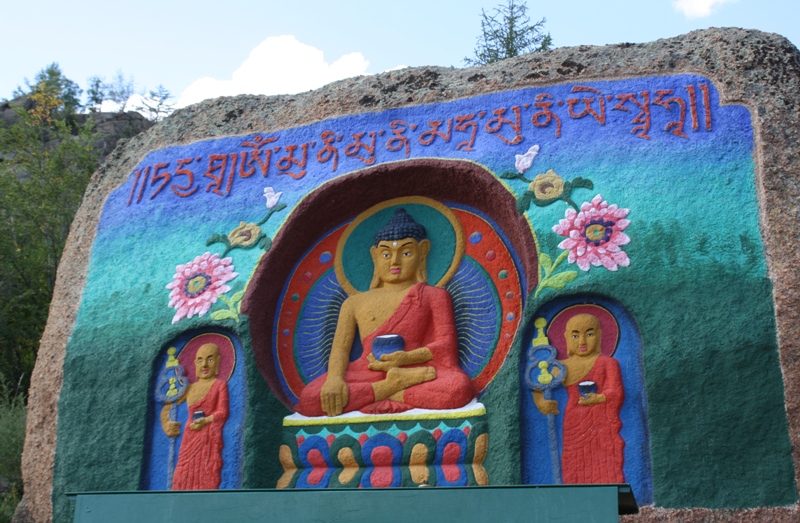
(508, 32)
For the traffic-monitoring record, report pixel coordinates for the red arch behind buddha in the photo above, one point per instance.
(339, 200)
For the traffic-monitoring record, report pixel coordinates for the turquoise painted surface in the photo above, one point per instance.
(592, 504)
(697, 271)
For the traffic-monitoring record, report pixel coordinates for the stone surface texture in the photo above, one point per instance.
(22, 514)
(758, 70)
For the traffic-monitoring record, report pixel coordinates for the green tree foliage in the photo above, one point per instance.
(95, 94)
(12, 437)
(508, 32)
(52, 80)
(46, 164)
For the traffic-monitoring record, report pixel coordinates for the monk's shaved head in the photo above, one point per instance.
(583, 335)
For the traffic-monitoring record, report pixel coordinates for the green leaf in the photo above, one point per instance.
(582, 183)
(510, 175)
(544, 203)
(266, 243)
(524, 202)
(237, 296)
(560, 280)
(279, 207)
(224, 315)
(226, 300)
(546, 262)
(217, 238)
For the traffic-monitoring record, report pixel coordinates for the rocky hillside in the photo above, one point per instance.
(108, 127)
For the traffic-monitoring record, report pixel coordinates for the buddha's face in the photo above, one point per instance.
(397, 261)
(583, 335)
(206, 362)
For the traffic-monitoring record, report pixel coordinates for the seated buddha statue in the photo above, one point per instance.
(399, 303)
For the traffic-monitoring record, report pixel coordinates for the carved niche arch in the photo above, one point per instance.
(457, 182)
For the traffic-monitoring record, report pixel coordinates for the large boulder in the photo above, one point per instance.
(710, 290)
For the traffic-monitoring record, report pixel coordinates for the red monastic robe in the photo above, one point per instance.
(424, 319)
(593, 450)
(200, 459)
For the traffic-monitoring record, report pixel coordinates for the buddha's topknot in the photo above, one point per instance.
(401, 225)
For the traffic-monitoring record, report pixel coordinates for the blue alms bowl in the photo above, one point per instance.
(387, 344)
(587, 387)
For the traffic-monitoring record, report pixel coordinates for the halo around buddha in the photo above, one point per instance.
(353, 263)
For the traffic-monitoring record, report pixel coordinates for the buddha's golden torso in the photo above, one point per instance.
(374, 307)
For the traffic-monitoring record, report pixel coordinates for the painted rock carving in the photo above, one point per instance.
(426, 373)
(200, 458)
(592, 448)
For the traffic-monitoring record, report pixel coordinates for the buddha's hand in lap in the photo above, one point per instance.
(334, 396)
(387, 361)
(399, 359)
(592, 399)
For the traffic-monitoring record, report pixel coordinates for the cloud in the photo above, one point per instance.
(278, 65)
(697, 8)
(109, 106)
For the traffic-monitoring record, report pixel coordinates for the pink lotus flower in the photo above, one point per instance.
(524, 161)
(594, 235)
(272, 197)
(197, 285)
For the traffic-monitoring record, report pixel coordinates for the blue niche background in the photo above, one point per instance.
(534, 439)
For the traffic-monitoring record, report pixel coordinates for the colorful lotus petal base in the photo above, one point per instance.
(405, 453)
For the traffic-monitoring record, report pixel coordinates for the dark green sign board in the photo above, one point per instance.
(531, 504)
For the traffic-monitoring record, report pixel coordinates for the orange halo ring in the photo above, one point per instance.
(227, 354)
(608, 325)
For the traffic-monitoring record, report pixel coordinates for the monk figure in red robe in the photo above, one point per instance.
(592, 449)
(426, 372)
(200, 457)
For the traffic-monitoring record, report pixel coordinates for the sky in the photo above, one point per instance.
(205, 48)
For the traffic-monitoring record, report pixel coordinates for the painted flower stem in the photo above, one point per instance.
(571, 203)
(279, 207)
(234, 304)
(511, 175)
(559, 260)
(550, 279)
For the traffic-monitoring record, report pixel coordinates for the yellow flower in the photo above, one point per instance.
(245, 235)
(547, 186)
